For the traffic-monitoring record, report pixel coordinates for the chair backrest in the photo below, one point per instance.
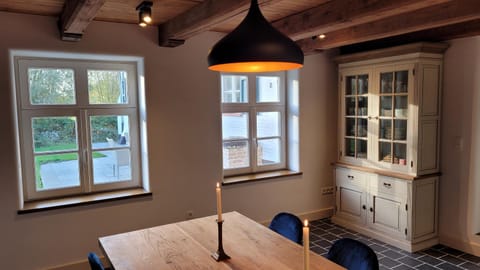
(288, 225)
(95, 262)
(353, 255)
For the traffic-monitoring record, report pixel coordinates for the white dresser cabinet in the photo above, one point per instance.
(397, 211)
(387, 170)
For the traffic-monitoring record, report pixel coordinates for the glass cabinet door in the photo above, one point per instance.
(356, 116)
(393, 103)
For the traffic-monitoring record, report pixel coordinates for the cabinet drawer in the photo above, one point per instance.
(345, 177)
(389, 185)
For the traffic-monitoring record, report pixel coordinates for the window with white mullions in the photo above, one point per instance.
(78, 126)
(253, 123)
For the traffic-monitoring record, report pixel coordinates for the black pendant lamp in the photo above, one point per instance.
(255, 46)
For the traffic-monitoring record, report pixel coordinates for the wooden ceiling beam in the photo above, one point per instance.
(453, 12)
(200, 18)
(203, 17)
(76, 16)
(453, 31)
(340, 14)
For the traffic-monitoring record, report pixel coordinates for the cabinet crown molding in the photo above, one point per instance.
(419, 47)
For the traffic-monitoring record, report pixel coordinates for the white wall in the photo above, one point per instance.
(460, 165)
(184, 145)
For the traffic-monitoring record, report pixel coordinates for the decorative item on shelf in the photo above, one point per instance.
(306, 245)
(402, 161)
(387, 158)
(144, 13)
(388, 133)
(400, 112)
(386, 86)
(220, 254)
(386, 112)
(255, 46)
(351, 111)
(400, 134)
(363, 111)
(362, 155)
(362, 131)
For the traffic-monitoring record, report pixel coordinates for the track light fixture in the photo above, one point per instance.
(144, 13)
(255, 46)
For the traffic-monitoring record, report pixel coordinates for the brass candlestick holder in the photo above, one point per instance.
(220, 254)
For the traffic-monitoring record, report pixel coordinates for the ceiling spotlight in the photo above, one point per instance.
(144, 13)
(322, 36)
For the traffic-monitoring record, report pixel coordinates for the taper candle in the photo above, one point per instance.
(306, 246)
(219, 202)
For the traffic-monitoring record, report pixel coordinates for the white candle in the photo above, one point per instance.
(306, 246)
(219, 202)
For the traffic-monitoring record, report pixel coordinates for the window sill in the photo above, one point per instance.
(44, 205)
(229, 180)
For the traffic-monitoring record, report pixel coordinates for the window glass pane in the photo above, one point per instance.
(107, 87)
(362, 84)
(362, 106)
(385, 129)
(350, 127)
(400, 130)
(54, 133)
(386, 81)
(350, 147)
(234, 89)
(385, 153)
(268, 89)
(401, 106)
(385, 106)
(362, 127)
(362, 149)
(401, 81)
(234, 126)
(235, 155)
(51, 86)
(400, 152)
(268, 152)
(268, 124)
(111, 166)
(351, 85)
(109, 131)
(56, 171)
(350, 106)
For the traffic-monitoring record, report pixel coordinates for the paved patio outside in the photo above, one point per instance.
(65, 174)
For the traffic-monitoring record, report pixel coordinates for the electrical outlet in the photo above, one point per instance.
(189, 214)
(327, 190)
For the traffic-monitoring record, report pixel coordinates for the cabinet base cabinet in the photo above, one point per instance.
(402, 213)
(386, 238)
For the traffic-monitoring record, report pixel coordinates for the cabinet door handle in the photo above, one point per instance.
(364, 207)
(350, 176)
(371, 209)
(387, 185)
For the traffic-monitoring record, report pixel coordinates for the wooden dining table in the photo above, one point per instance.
(189, 245)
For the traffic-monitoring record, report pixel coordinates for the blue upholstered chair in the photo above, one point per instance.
(95, 262)
(353, 255)
(288, 225)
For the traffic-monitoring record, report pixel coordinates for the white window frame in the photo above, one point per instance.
(135, 109)
(252, 108)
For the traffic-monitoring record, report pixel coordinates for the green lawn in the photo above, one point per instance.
(40, 160)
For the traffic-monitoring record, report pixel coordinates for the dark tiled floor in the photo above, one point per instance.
(324, 233)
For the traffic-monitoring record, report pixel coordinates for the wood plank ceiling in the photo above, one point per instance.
(348, 24)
